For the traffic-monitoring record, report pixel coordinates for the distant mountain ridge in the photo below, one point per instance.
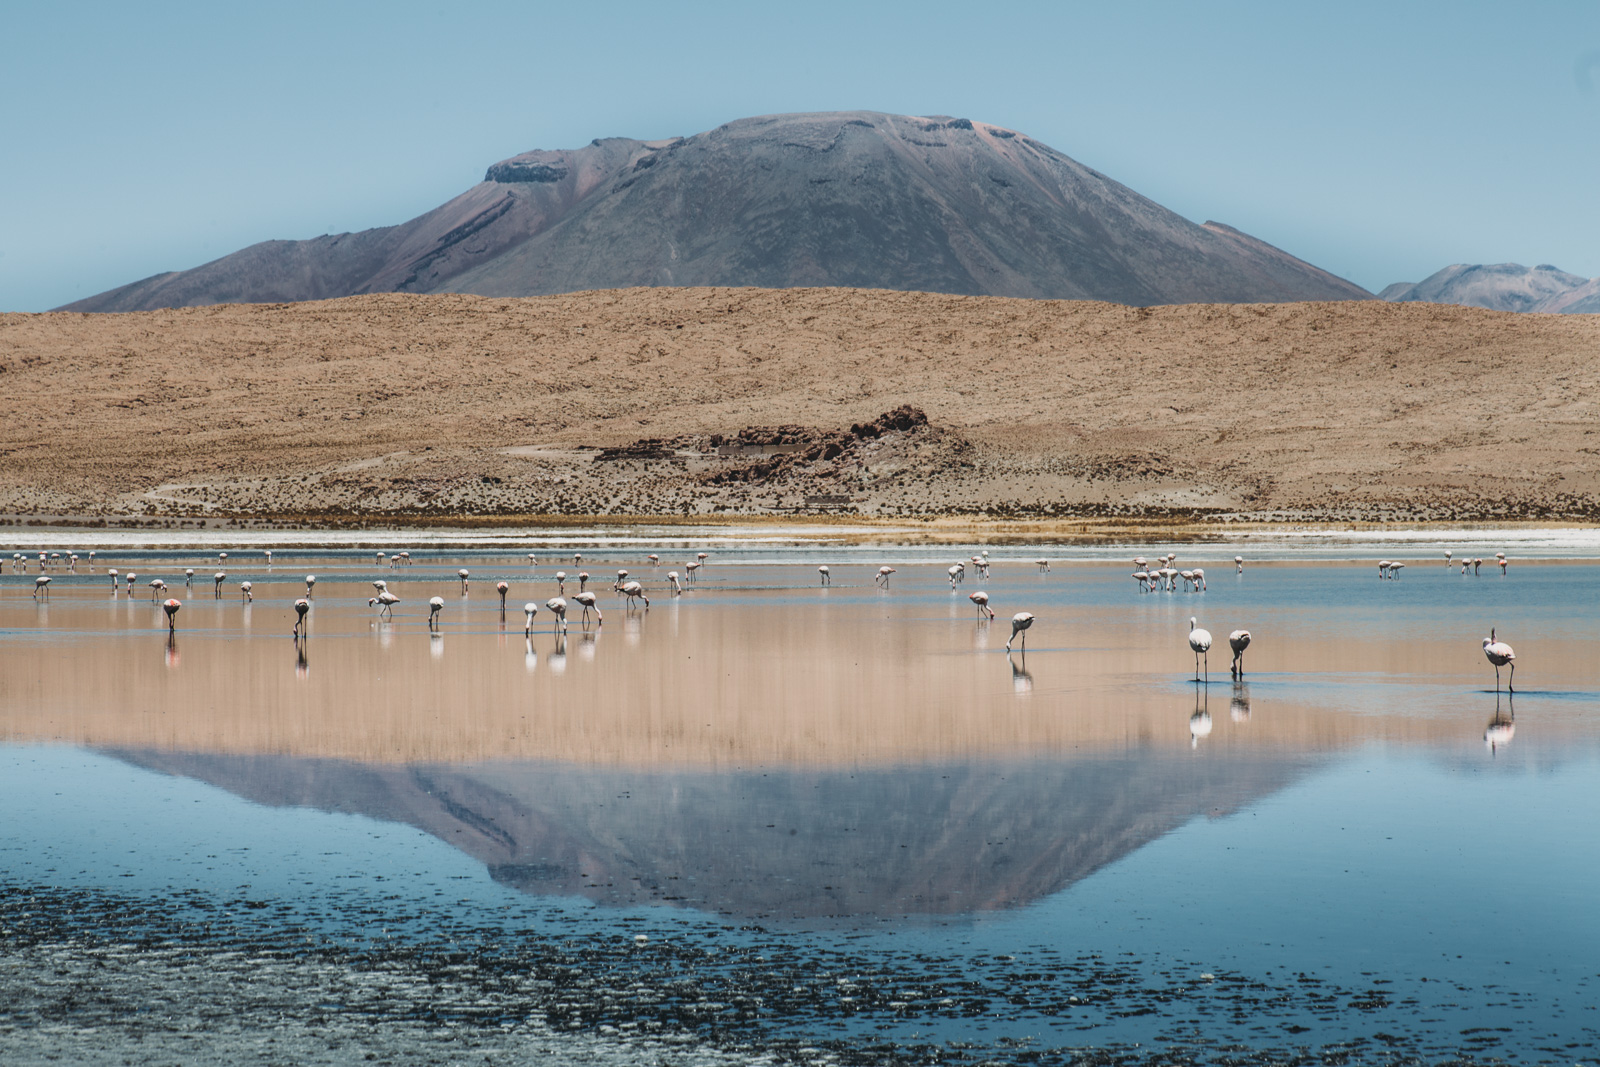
(858, 199)
(1503, 287)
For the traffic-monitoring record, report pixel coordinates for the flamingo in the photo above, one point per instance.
(381, 586)
(955, 576)
(502, 588)
(269, 557)
(981, 599)
(1199, 577)
(1239, 640)
(653, 558)
(171, 608)
(677, 590)
(532, 560)
(435, 605)
(558, 608)
(301, 606)
(1200, 641)
(701, 556)
(1019, 625)
(462, 574)
(385, 602)
(1500, 557)
(405, 557)
(1395, 569)
(244, 589)
(1500, 654)
(622, 576)
(1139, 563)
(529, 610)
(583, 580)
(689, 570)
(588, 602)
(1238, 561)
(825, 574)
(311, 582)
(113, 573)
(188, 577)
(378, 558)
(633, 590)
(222, 558)
(577, 558)
(1383, 568)
(883, 576)
(41, 587)
(1475, 565)
(216, 583)
(156, 585)
(1142, 577)
(561, 582)
(1188, 579)
(1447, 555)
(1044, 565)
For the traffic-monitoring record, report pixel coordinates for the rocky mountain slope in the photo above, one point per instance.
(1502, 287)
(858, 199)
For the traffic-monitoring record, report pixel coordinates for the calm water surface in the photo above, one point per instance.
(1362, 845)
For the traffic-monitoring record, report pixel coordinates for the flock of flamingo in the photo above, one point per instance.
(1162, 577)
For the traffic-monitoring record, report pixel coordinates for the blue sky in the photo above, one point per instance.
(1379, 141)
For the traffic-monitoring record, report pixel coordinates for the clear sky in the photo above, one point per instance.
(1380, 141)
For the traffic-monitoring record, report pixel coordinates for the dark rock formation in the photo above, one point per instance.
(855, 199)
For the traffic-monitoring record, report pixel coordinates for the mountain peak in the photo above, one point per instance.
(858, 199)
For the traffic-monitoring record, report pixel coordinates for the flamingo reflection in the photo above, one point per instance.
(1239, 706)
(1200, 721)
(1021, 680)
(1503, 727)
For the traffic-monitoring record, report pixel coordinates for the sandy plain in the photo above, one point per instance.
(747, 402)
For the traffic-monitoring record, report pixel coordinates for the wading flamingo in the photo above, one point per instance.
(435, 605)
(171, 608)
(587, 600)
(1019, 625)
(1200, 641)
(301, 606)
(824, 574)
(981, 599)
(1239, 640)
(1500, 654)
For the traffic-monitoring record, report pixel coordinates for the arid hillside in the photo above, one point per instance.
(693, 401)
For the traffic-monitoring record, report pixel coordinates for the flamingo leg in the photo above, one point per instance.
(1511, 682)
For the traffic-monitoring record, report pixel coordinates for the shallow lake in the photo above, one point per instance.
(772, 814)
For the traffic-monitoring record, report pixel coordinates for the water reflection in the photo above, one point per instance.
(1021, 680)
(1503, 726)
(302, 667)
(1239, 705)
(796, 843)
(1200, 721)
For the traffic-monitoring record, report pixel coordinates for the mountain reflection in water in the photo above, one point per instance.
(783, 843)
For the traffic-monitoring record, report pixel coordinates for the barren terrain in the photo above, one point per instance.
(663, 402)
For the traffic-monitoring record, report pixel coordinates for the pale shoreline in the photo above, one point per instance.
(1066, 542)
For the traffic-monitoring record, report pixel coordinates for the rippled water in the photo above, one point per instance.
(850, 798)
